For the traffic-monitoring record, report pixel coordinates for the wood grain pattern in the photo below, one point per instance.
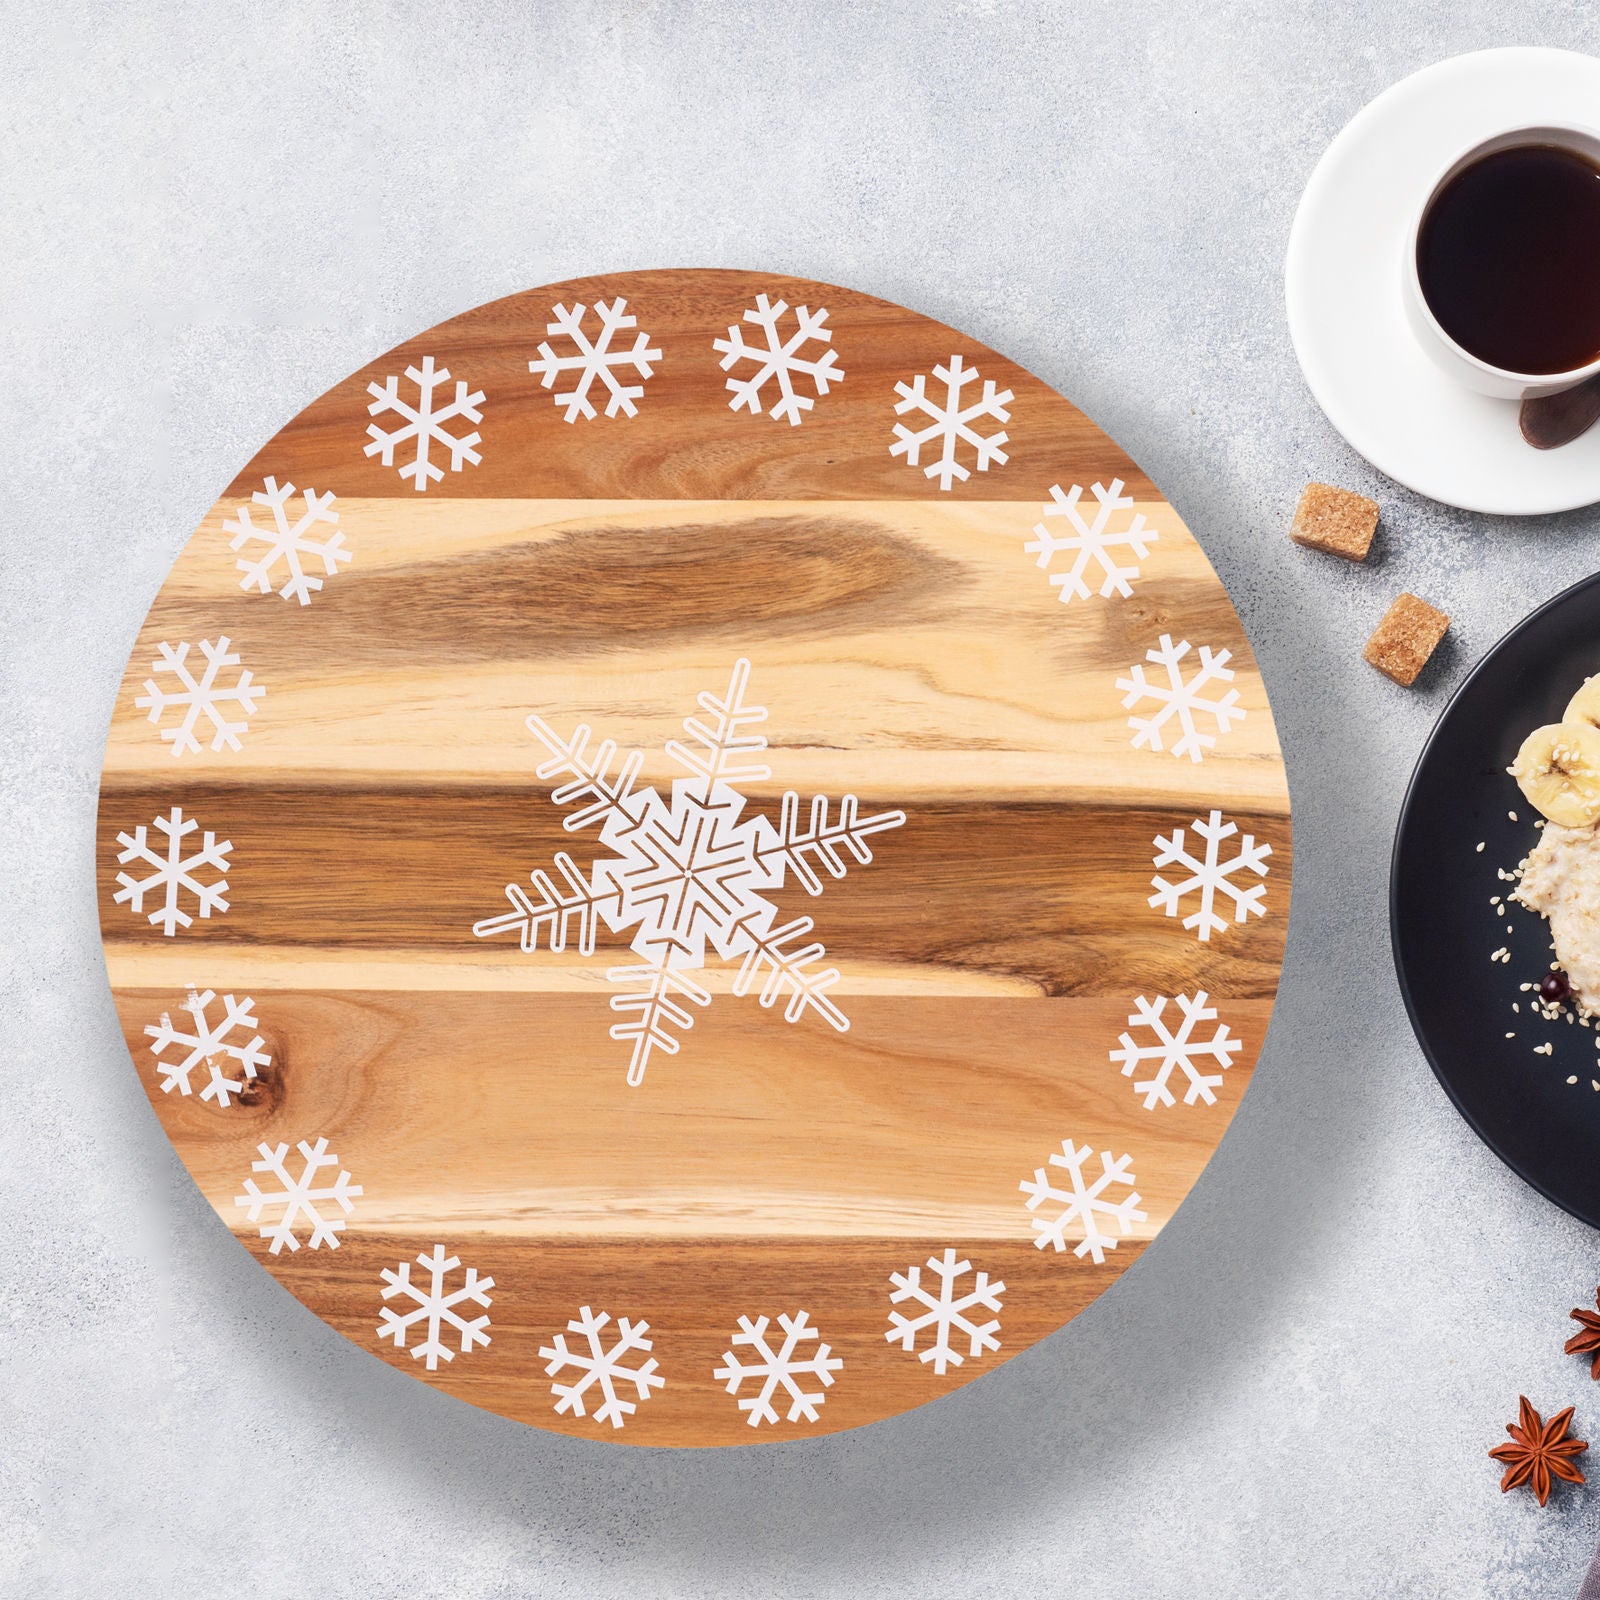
(908, 650)
(683, 447)
(673, 1286)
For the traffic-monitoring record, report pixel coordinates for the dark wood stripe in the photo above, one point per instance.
(842, 1283)
(693, 446)
(1057, 895)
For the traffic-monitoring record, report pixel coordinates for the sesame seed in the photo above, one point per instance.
(1512, 815)
(1574, 1079)
(1480, 847)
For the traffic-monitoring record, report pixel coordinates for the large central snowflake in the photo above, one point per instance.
(690, 874)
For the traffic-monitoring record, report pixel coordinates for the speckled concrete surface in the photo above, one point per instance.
(211, 213)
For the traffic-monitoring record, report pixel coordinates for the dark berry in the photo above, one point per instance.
(1554, 988)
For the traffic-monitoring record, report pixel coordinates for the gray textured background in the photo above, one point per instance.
(212, 214)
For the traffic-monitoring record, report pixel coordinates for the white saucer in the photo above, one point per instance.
(1343, 284)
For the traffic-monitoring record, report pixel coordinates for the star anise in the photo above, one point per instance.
(1541, 1451)
(1587, 1342)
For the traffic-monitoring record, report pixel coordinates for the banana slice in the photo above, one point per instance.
(1558, 769)
(1584, 706)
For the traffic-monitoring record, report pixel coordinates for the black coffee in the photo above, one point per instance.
(1509, 258)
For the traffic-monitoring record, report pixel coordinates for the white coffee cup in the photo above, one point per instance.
(1458, 362)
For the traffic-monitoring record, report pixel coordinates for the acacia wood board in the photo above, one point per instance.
(950, 597)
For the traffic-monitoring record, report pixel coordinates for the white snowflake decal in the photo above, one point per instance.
(602, 1366)
(434, 1307)
(1092, 541)
(595, 359)
(1174, 1050)
(174, 872)
(1181, 698)
(945, 1313)
(780, 359)
(202, 696)
(299, 1198)
(287, 541)
(1209, 875)
(782, 1367)
(212, 1044)
(952, 423)
(690, 875)
(424, 423)
(1083, 1206)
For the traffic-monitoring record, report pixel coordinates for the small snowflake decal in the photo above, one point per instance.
(299, 1199)
(287, 541)
(1084, 1206)
(1210, 875)
(202, 696)
(434, 1307)
(595, 359)
(782, 1367)
(689, 874)
(174, 872)
(1181, 698)
(602, 1366)
(779, 359)
(212, 1044)
(1092, 541)
(952, 423)
(424, 423)
(946, 1313)
(1171, 1051)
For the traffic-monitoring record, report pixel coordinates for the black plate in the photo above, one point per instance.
(1444, 929)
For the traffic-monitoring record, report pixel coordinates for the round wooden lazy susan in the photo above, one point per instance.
(693, 858)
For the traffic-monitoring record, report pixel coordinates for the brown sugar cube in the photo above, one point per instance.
(1402, 643)
(1335, 520)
